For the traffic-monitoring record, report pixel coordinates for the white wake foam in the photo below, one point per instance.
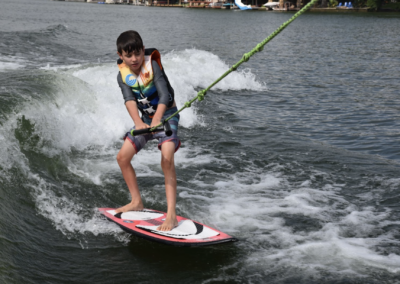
(11, 63)
(259, 208)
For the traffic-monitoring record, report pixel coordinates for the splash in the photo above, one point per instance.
(297, 225)
(11, 63)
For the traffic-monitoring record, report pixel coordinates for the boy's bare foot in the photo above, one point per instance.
(169, 224)
(133, 206)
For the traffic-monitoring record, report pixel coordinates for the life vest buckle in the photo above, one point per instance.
(144, 101)
(149, 110)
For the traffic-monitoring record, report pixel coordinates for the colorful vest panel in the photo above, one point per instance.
(142, 85)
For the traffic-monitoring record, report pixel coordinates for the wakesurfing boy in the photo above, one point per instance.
(146, 89)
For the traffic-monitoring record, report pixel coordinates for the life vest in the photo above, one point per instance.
(142, 85)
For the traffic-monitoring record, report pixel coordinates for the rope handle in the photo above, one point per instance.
(163, 126)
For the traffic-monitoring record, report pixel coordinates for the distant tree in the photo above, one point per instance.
(374, 4)
(360, 3)
(333, 3)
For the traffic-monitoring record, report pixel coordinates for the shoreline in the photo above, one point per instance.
(186, 5)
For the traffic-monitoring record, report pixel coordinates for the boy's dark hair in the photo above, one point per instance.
(129, 41)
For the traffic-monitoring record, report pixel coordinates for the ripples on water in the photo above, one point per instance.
(297, 154)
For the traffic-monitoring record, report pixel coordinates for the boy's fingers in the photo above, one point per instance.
(143, 126)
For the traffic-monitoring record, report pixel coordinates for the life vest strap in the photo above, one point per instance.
(146, 100)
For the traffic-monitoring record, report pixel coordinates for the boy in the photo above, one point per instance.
(146, 88)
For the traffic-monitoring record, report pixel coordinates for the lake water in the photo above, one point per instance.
(297, 154)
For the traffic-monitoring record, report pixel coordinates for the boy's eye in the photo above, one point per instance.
(129, 55)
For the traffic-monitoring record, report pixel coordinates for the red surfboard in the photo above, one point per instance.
(144, 224)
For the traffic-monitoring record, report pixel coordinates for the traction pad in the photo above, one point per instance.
(186, 229)
(136, 215)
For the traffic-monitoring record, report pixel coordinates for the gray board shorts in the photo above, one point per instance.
(140, 141)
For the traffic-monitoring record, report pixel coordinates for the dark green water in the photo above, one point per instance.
(297, 154)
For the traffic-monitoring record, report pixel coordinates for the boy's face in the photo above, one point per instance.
(133, 60)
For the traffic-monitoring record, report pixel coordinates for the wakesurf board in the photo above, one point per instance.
(144, 224)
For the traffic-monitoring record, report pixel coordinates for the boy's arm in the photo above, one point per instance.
(133, 111)
(163, 94)
(161, 108)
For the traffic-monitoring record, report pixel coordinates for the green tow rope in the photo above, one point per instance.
(259, 47)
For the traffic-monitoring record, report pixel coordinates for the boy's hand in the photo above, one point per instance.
(141, 125)
(155, 122)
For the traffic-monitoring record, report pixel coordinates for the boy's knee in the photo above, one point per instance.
(167, 164)
(122, 159)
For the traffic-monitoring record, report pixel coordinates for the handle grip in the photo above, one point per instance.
(166, 127)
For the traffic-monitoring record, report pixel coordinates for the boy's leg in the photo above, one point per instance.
(168, 167)
(124, 158)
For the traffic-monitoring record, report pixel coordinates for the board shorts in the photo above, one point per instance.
(139, 141)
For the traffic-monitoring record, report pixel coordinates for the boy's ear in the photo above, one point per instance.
(120, 55)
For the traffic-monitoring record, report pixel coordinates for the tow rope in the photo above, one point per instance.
(259, 47)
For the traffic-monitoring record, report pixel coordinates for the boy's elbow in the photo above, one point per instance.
(130, 102)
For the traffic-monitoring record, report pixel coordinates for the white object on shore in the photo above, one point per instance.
(242, 6)
(271, 4)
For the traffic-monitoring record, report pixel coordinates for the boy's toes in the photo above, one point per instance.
(167, 226)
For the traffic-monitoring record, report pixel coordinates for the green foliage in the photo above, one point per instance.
(360, 3)
(374, 4)
(333, 3)
(391, 6)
